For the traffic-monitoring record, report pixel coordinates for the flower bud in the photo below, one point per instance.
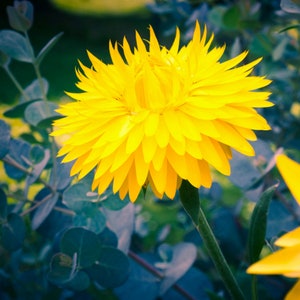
(20, 16)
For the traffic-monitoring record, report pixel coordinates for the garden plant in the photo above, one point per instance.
(169, 171)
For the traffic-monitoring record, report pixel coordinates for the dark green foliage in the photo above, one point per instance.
(258, 225)
(12, 232)
(4, 138)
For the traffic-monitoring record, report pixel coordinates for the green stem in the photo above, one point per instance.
(254, 287)
(45, 99)
(16, 83)
(36, 67)
(190, 200)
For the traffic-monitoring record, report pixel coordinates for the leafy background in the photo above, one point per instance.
(59, 240)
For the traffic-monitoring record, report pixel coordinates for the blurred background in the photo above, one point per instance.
(90, 24)
(87, 25)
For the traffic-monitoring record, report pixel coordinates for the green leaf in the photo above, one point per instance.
(195, 282)
(43, 211)
(4, 138)
(64, 272)
(141, 284)
(62, 268)
(19, 152)
(296, 26)
(236, 48)
(231, 18)
(90, 218)
(41, 113)
(290, 6)
(34, 89)
(84, 243)
(258, 224)
(18, 110)
(280, 49)
(79, 282)
(189, 197)
(76, 197)
(261, 45)
(112, 269)
(183, 257)
(14, 45)
(243, 173)
(37, 154)
(38, 167)
(108, 238)
(112, 201)
(3, 205)
(60, 175)
(13, 232)
(47, 48)
(122, 224)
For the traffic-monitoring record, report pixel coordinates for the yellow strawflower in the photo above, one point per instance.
(157, 116)
(287, 260)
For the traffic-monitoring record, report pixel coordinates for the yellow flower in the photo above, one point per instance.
(287, 260)
(157, 115)
(290, 172)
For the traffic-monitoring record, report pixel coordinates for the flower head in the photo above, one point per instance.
(287, 260)
(157, 116)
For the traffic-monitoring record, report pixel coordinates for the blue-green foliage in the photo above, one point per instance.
(60, 240)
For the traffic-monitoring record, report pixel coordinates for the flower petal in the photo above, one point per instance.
(290, 171)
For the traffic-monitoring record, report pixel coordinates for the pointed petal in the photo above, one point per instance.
(290, 171)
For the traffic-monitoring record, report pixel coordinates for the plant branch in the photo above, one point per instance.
(16, 83)
(158, 274)
(37, 204)
(7, 159)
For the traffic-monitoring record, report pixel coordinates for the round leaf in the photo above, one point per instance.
(290, 6)
(76, 197)
(141, 284)
(112, 269)
(64, 272)
(14, 45)
(19, 152)
(35, 91)
(91, 219)
(4, 138)
(62, 268)
(60, 176)
(122, 224)
(41, 113)
(187, 283)
(243, 172)
(184, 255)
(80, 282)
(84, 243)
(108, 238)
(112, 201)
